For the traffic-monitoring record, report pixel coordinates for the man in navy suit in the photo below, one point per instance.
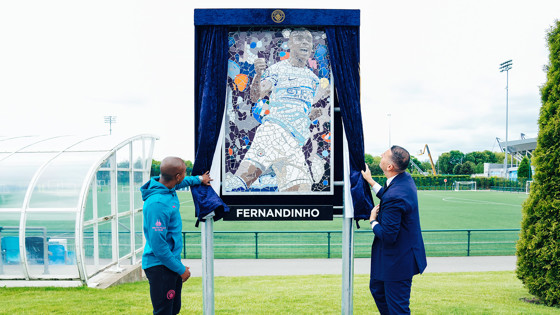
(397, 253)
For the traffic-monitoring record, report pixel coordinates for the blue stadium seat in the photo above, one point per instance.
(34, 245)
(10, 249)
(71, 257)
(56, 254)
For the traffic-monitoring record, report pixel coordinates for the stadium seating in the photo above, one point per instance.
(10, 249)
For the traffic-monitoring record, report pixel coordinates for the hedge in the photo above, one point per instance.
(538, 249)
(482, 183)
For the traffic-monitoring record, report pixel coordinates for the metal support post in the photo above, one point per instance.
(506, 66)
(45, 252)
(347, 266)
(347, 305)
(256, 245)
(506, 165)
(468, 242)
(208, 264)
(328, 244)
(1, 255)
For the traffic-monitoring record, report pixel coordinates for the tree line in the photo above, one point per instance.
(455, 162)
(155, 170)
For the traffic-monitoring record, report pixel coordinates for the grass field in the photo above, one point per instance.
(436, 293)
(439, 210)
(432, 293)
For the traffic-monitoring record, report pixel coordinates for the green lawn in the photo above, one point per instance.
(436, 293)
(470, 209)
(439, 210)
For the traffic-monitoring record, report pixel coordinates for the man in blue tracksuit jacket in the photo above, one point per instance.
(161, 260)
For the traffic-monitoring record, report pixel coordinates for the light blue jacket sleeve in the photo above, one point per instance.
(189, 181)
(157, 238)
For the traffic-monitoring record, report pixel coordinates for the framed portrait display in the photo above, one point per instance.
(277, 113)
(278, 135)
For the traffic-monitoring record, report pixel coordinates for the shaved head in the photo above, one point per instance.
(171, 166)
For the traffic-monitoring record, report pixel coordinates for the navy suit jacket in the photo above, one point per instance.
(398, 250)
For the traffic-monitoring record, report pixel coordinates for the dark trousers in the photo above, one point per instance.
(165, 290)
(391, 297)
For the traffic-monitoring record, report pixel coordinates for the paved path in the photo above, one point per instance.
(278, 267)
(284, 267)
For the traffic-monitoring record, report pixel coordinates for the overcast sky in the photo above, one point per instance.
(432, 65)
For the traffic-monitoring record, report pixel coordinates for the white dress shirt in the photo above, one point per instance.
(376, 188)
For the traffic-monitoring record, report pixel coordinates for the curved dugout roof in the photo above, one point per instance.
(70, 206)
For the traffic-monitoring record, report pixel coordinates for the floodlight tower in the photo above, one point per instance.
(506, 66)
(389, 116)
(110, 120)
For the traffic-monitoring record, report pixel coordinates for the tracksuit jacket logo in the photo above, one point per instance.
(158, 227)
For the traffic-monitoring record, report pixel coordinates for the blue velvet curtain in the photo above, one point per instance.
(344, 54)
(211, 57)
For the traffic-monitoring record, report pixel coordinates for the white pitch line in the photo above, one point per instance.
(453, 199)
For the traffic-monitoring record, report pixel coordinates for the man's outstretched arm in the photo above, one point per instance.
(259, 88)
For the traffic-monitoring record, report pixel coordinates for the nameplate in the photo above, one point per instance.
(278, 213)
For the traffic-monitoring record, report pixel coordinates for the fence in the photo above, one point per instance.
(509, 189)
(328, 244)
(451, 186)
(440, 187)
(482, 183)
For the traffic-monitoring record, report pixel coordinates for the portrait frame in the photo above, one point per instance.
(244, 117)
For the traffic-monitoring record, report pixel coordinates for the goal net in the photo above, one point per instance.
(466, 185)
(528, 186)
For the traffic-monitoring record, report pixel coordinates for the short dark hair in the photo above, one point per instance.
(167, 177)
(400, 157)
(300, 30)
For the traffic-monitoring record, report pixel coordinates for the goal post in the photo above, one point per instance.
(528, 186)
(465, 185)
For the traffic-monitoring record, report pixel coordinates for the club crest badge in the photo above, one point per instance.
(170, 294)
(278, 16)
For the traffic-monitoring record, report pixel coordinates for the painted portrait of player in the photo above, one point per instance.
(278, 119)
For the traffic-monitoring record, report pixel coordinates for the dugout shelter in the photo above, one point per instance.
(70, 207)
